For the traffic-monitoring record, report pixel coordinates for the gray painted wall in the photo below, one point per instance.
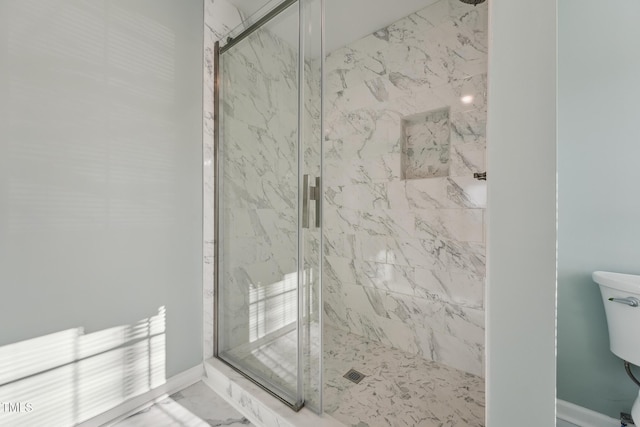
(598, 199)
(521, 237)
(101, 169)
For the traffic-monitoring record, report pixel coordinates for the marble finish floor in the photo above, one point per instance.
(195, 406)
(399, 390)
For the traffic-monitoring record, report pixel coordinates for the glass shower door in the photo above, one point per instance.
(268, 206)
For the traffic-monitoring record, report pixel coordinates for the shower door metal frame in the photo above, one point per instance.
(256, 25)
(216, 195)
(218, 50)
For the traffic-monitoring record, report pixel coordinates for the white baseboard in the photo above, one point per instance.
(131, 406)
(583, 417)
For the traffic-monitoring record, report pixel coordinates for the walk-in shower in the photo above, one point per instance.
(350, 264)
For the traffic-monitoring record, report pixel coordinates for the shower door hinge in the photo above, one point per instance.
(308, 194)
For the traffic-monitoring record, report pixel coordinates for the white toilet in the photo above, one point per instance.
(621, 298)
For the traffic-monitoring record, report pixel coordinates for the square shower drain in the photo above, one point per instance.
(354, 376)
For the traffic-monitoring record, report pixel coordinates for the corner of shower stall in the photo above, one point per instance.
(350, 222)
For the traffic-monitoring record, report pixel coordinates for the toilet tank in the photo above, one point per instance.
(623, 320)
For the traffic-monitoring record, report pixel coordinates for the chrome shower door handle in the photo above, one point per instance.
(305, 201)
(630, 301)
(310, 193)
(315, 196)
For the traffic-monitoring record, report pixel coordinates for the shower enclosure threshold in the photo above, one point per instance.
(258, 406)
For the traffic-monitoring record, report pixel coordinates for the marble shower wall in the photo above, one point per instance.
(405, 258)
(259, 209)
(219, 18)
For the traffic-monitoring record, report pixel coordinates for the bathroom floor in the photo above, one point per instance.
(399, 389)
(195, 406)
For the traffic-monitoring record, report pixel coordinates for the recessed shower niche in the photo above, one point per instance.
(426, 142)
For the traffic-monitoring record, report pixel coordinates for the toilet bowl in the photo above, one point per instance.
(621, 298)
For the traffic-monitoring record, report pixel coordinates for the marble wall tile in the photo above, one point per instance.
(385, 222)
(260, 159)
(259, 206)
(466, 324)
(339, 220)
(429, 327)
(371, 195)
(451, 351)
(454, 94)
(428, 194)
(334, 309)
(425, 252)
(466, 191)
(335, 243)
(456, 49)
(260, 184)
(442, 193)
(385, 168)
(364, 133)
(467, 256)
(461, 287)
(219, 18)
(383, 276)
(469, 128)
(463, 225)
(466, 161)
(405, 258)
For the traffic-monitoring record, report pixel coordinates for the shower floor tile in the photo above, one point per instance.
(399, 389)
(195, 406)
